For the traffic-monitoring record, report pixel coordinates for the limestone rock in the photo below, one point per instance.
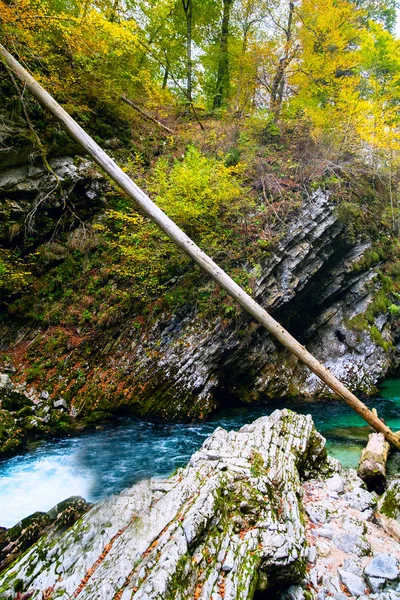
(375, 584)
(389, 504)
(360, 499)
(389, 510)
(17, 539)
(5, 382)
(354, 583)
(184, 543)
(335, 484)
(351, 543)
(383, 566)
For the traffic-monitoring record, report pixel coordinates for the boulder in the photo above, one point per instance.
(17, 539)
(189, 536)
(355, 584)
(383, 566)
(388, 513)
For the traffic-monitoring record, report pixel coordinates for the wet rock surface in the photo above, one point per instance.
(17, 539)
(234, 521)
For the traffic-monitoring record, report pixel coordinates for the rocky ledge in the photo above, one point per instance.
(258, 513)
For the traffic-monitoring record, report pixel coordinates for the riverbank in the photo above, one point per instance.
(102, 462)
(262, 510)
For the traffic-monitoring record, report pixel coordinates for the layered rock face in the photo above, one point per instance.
(231, 520)
(183, 366)
(246, 515)
(14, 541)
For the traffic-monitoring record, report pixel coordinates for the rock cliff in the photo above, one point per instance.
(255, 512)
(316, 280)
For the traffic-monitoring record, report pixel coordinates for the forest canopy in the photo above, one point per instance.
(317, 80)
(334, 61)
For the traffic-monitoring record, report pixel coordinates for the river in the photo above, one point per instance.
(100, 463)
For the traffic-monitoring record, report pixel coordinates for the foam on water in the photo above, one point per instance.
(38, 482)
(101, 463)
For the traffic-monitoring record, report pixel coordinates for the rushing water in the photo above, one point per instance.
(104, 462)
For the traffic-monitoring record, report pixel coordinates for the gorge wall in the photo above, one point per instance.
(319, 280)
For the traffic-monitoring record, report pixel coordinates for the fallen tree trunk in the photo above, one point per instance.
(188, 246)
(372, 465)
(145, 115)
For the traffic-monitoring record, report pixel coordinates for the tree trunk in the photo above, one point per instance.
(114, 11)
(188, 8)
(222, 87)
(372, 466)
(189, 247)
(165, 79)
(279, 81)
(240, 75)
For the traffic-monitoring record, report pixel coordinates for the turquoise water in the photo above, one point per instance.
(104, 462)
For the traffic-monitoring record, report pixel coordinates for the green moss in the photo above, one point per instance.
(258, 467)
(368, 260)
(351, 214)
(11, 434)
(390, 505)
(377, 337)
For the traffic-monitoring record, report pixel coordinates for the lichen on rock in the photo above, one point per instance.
(232, 521)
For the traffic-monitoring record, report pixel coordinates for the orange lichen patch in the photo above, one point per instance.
(244, 531)
(345, 590)
(129, 578)
(46, 595)
(221, 588)
(151, 547)
(197, 591)
(98, 562)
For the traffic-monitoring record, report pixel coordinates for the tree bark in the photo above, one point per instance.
(165, 78)
(222, 87)
(190, 248)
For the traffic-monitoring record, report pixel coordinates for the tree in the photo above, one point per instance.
(222, 87)
(327, 75)
(188, 9)
(380, 11)
(248, 50)
(279, 80)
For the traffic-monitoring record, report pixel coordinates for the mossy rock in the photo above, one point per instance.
(14, 401)
(63, 427)
(11, 435)
(26, 411)
(389, 504)
(96, 417)
(32, 424)
(24, 534)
